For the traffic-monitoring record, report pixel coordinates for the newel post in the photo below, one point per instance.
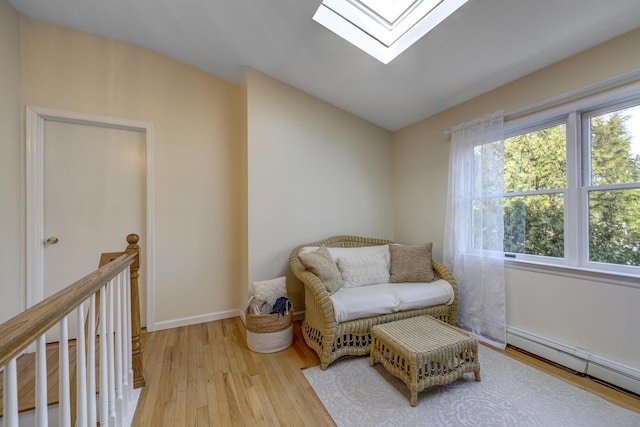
(136, 346)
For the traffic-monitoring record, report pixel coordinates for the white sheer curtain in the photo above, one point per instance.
(474, 230)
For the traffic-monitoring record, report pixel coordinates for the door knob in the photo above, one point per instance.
(52, 240)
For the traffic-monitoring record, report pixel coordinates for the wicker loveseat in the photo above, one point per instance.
(332, 340)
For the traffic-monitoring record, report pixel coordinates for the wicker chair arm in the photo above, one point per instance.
(312, 283)
(443, 272)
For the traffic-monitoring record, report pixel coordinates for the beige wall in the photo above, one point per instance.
(12, 292)
(313, 171)
(597, 317)
(243, 214)
(195, 119)
(242, 174)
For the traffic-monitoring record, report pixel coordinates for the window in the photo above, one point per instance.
(535, 184)
(571, 192)
(382, 28)
(612, 184)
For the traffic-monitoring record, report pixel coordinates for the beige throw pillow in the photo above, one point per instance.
(320, 263)
(411, 263)
(270, 290)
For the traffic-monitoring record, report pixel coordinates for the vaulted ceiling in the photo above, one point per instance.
(483, 45)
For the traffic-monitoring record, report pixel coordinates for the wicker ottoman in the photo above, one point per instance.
(422, 352)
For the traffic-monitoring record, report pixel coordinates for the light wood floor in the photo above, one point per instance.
(205, 375)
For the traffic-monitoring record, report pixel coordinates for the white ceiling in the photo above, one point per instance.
(483, 45)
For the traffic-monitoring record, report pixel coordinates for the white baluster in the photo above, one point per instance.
(104, 372)
(42, 405)
(128, 352)
(110, 355)
(64, 408)
(81, 369)
(118, 350)
(10, 395)
(91, 363)
(125, 348)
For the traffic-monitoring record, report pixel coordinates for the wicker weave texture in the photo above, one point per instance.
(423, 352)
(265, 323)
(332, 340)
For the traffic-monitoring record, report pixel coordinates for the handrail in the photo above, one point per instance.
(19, 332)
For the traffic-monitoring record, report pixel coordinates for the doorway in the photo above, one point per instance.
(89, 184)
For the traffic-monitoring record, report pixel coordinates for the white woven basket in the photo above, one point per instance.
(268, 333)
(270, 342)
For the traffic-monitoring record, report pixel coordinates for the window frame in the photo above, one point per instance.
(521, 130)
(587, 186)
(574, 109)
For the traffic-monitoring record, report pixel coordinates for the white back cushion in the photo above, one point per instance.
(363, 270)
(348, 252)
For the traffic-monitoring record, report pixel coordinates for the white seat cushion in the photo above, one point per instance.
(419, 295)
(385, 298)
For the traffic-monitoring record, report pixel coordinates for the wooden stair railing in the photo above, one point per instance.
(117, 281)
(139, 376)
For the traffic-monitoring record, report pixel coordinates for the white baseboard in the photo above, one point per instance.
(194, 320)
(210, 317)
(615, 373)
(298, 315)
(577, 359)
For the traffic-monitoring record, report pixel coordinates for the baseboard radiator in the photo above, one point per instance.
(576, 359)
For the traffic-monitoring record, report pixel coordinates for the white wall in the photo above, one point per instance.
(12, 247)
(601, 318)
(597, 317)
(195, 118)
(313, 171)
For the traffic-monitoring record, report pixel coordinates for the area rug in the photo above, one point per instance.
(510, 394)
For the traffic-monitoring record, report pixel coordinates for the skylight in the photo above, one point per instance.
(384, 28)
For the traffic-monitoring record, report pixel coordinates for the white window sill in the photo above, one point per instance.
(609, 277)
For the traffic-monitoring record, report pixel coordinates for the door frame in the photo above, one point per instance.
(35, 120)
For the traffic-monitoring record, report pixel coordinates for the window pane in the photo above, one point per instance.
(614, 226)
(488, 167)
(534, 225)
(536, 160)
(488, 224)
(615, 147)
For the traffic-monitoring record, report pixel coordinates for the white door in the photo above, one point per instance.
(94, 195)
